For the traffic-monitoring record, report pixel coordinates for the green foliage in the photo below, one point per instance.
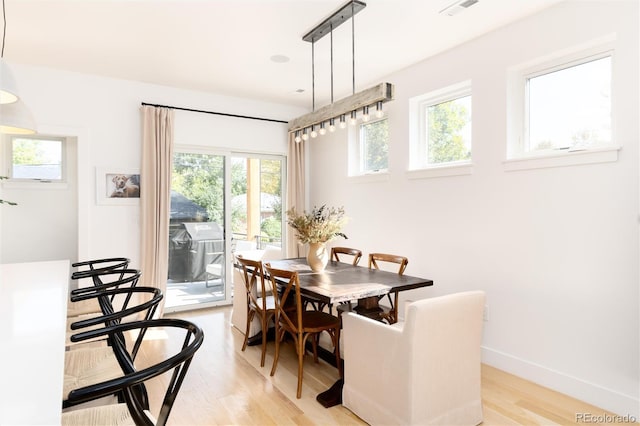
(200, 177)
(445, 121)
(376, 145)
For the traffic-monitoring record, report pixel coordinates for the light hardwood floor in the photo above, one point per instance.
(225, 386)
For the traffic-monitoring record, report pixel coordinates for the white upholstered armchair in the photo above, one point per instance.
(423, 370)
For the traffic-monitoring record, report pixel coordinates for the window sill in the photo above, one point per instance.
(566, 158)
(370, 177)
(441, 171)
(33, 184)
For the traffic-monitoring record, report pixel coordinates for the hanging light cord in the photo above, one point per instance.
(331, 63)
(313, 76)
(4, 28)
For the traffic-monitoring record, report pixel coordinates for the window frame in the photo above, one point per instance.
(517, 154)
(21, 181)
(419, 167)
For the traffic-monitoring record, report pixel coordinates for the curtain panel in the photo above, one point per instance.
(295, 190)
(155, 196)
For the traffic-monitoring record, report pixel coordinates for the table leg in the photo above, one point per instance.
(332, 396)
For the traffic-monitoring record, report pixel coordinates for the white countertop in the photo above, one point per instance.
(33, 311)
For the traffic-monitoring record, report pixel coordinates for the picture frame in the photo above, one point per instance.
(117, 186)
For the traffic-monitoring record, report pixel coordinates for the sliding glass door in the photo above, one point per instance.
(212, 192)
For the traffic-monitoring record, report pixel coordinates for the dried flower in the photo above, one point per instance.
(321, 225)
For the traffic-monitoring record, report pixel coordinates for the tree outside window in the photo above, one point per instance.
(449, 131)
(374, 145)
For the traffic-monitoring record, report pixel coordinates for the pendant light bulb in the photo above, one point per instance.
(353, 120)
(314, 134)
(305, 135)
(298, 139)
(332, 125)
(379, 111)
(343, 121)
(322, 130)
(365, 114)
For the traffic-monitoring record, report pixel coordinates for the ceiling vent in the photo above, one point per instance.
(457, 7)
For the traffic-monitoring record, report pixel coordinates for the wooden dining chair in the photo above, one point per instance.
(259, 300)
(299, 323)
(391, 315)
(336, 251)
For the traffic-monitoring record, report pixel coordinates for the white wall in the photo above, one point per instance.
(555, 249)
(104, 116)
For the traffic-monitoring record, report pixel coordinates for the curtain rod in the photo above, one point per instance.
(215, 113)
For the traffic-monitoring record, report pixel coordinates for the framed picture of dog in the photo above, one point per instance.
(117, 186)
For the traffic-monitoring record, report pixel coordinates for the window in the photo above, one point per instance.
(568, 107)
(441, 128)
(559, 108)
(37, 158)
(374, 146)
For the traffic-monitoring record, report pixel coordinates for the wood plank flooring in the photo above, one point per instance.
(225, 386)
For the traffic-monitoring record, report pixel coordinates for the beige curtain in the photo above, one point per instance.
(155, 196)
(295, 190)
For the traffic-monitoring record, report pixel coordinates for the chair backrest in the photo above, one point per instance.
(287, 297)
(253, 276)
(132, 382)
(148, 299)
(97, 266)
(111, 279)
(357, 254)
(402, 261)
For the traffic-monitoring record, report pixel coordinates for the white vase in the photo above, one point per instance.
(318, 256)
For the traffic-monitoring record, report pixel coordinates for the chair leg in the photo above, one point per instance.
(279, 335)
(315, 338)
(250, 315)
(300, 342)
(264, 340)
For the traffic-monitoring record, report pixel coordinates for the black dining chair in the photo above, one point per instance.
(84, 365)
(131, 382)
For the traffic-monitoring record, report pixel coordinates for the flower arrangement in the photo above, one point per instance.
(319, 226)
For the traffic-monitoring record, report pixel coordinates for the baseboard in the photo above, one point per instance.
(607, 399)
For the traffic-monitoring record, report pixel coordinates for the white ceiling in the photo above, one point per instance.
(225, 46)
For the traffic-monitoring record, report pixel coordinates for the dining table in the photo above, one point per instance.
(344, 282)
(33, 312)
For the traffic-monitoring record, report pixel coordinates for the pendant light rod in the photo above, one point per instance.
(334, 20)
(331, 64)
(313, 77)
(353, 51)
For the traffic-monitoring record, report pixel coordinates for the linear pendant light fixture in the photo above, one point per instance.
(346, 109)
(15, 117)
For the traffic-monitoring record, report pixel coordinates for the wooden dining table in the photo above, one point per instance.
(344, 282)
